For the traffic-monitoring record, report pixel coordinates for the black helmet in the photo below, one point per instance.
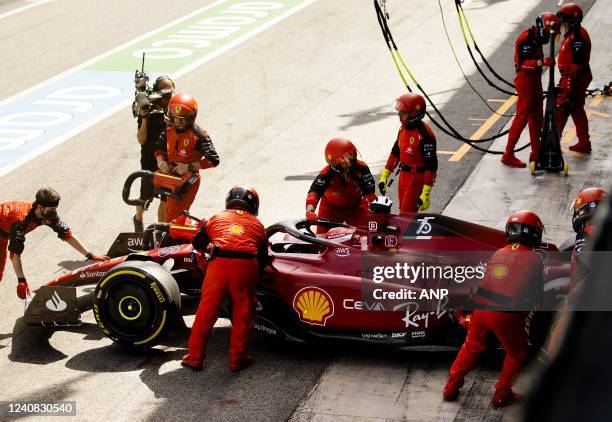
(243, 198)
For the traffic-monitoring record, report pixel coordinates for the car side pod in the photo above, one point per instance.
(53, 306)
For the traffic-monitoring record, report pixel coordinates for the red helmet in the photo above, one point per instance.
(339, 153)
(413, 104)
(524, 227)
(570, 12)
(244, 198)
(584, 206)
(544, 23)
(183, 106)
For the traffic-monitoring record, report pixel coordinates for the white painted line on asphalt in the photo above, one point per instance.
(64, 81)
(108, 53)
(23, 8)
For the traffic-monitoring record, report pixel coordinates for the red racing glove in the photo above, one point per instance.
(311, 216)
(548, 61)
(23, 290)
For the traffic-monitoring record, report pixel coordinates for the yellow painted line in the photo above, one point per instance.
(597, 113)
(568, 135)
(496, 100)
(484, 128)
(477, 120)
(446, 152)
(597, 100)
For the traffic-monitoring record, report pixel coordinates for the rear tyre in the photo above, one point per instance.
(137, 303)
(537, 328)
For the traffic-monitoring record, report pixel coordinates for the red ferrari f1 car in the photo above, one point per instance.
(312, 287)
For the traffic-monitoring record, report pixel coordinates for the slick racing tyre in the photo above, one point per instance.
(136, 303)
(537, 328)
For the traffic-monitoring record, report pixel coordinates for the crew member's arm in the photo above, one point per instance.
(64, 233)
(201, 240)
(317, 189)
(262, 250)
(205, 146)
(143, 124)
(430, 162)
(392, 162)
(161, 153)
(366, 182)
(526, 54)
(581, 55)
(15, 247)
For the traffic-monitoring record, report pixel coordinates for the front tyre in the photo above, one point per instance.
(136, 303)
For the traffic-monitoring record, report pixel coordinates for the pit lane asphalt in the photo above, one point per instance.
(270, 105)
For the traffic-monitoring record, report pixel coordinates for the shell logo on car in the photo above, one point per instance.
(313, 305)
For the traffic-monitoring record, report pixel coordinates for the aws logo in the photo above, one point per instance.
(313, 305)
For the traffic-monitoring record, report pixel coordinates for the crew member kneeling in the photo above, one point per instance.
(234, 239)
(343, 189)
(512, 284)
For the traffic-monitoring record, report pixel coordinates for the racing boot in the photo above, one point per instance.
(584, 147)
(511, 161)
(192, 362)
(451, 389)
(504, 397)
(138, 225)
(240, 364)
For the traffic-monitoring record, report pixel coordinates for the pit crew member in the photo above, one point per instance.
(17, 218)
(528, 62)
(512, 284)
(182, 148)
(573, 63)
(343, 188)
(234, 240)
(415, 152)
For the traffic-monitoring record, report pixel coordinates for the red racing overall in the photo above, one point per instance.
(528, 58)
(415, 152)
(186, 147)
(342, 199)
(512, 281)
(238, 237)
(16, 220)
(573, 62)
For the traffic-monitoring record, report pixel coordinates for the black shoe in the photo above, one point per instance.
(138, 225)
